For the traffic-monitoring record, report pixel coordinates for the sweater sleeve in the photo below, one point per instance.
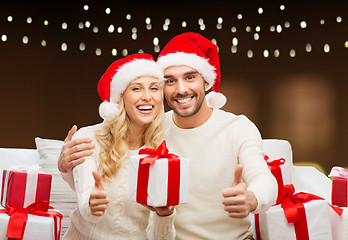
(256, 174)
(69, 178)
(161, 227)
(84, 184)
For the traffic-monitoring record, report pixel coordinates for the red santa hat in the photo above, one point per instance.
(117, 77)
(193, 50)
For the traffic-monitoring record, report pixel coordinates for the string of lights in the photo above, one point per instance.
(245, 37)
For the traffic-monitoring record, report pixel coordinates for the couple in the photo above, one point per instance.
(228, 176)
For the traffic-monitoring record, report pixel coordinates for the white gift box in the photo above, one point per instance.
(277, 148)
(339, 224)
(37, 227)
(311, 180)
(286, 173)
(158, 181)
(274, 225)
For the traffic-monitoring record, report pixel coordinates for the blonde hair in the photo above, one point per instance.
(113, 140)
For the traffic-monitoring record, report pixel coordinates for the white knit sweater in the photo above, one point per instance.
(123, 219)
(214, 150)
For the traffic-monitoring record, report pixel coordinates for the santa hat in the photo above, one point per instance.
(117, 77)
(193, 50)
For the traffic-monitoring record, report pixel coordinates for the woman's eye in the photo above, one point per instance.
(136, 89)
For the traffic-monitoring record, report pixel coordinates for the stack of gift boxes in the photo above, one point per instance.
(299, 214)
(25, 212)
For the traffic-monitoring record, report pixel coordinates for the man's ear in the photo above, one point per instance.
(206, 86)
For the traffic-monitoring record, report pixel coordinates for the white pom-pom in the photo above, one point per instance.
(215, 99)
(108, 110)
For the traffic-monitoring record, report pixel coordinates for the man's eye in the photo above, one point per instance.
(170, 81)
(190, 77)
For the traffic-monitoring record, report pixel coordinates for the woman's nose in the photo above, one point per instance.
(146, 96)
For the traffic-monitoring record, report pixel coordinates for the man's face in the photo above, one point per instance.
(184, 90)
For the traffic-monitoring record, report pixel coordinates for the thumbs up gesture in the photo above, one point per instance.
(238, 201)
(98, 199)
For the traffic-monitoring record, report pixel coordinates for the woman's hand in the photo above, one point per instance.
(98, 199)
(162, 211)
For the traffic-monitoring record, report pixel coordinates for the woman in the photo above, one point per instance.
(132, 109)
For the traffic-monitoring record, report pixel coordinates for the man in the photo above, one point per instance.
(227, 170)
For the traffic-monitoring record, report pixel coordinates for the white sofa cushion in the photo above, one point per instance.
(62, 197)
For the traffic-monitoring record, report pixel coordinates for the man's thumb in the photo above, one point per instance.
(98, 182)
(237, 175)
(70, 134)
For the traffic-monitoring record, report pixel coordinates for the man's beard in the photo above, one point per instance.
(197, 107)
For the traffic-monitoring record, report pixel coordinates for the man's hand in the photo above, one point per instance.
(74, 151)
(98, 199)
(237, 200)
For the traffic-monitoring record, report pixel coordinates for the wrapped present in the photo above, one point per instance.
(30, 223)
(20, 188)
(282, 172)
(339, 224)
(278, 148)
(158, 178)
(300, 216)
(339, 193)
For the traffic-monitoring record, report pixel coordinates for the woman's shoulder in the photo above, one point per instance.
(87, 131)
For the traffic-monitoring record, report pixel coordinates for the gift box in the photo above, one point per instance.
(339, 193)
(339, 224)
(282, 173)
(158, 178)
(301, 216)
(278, 148)
(20, 188)
(46, 227)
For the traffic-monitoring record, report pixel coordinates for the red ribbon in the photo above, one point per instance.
(339, 195)
(257, 226)
(173, 192)
(19, 217)
(294, 211)
(274, 166)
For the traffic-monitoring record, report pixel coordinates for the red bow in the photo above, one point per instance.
(155, 154)
(274, 166)
(294, 211)
(173, 173)
(19, 217)
(275, 163)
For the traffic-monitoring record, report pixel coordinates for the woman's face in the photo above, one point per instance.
(143, 99)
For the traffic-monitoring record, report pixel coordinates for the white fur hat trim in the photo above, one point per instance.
(192, 60)
(131, 71)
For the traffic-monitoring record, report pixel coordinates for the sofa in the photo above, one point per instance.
(305, 178)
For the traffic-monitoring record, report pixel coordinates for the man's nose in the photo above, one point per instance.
(182, 87)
